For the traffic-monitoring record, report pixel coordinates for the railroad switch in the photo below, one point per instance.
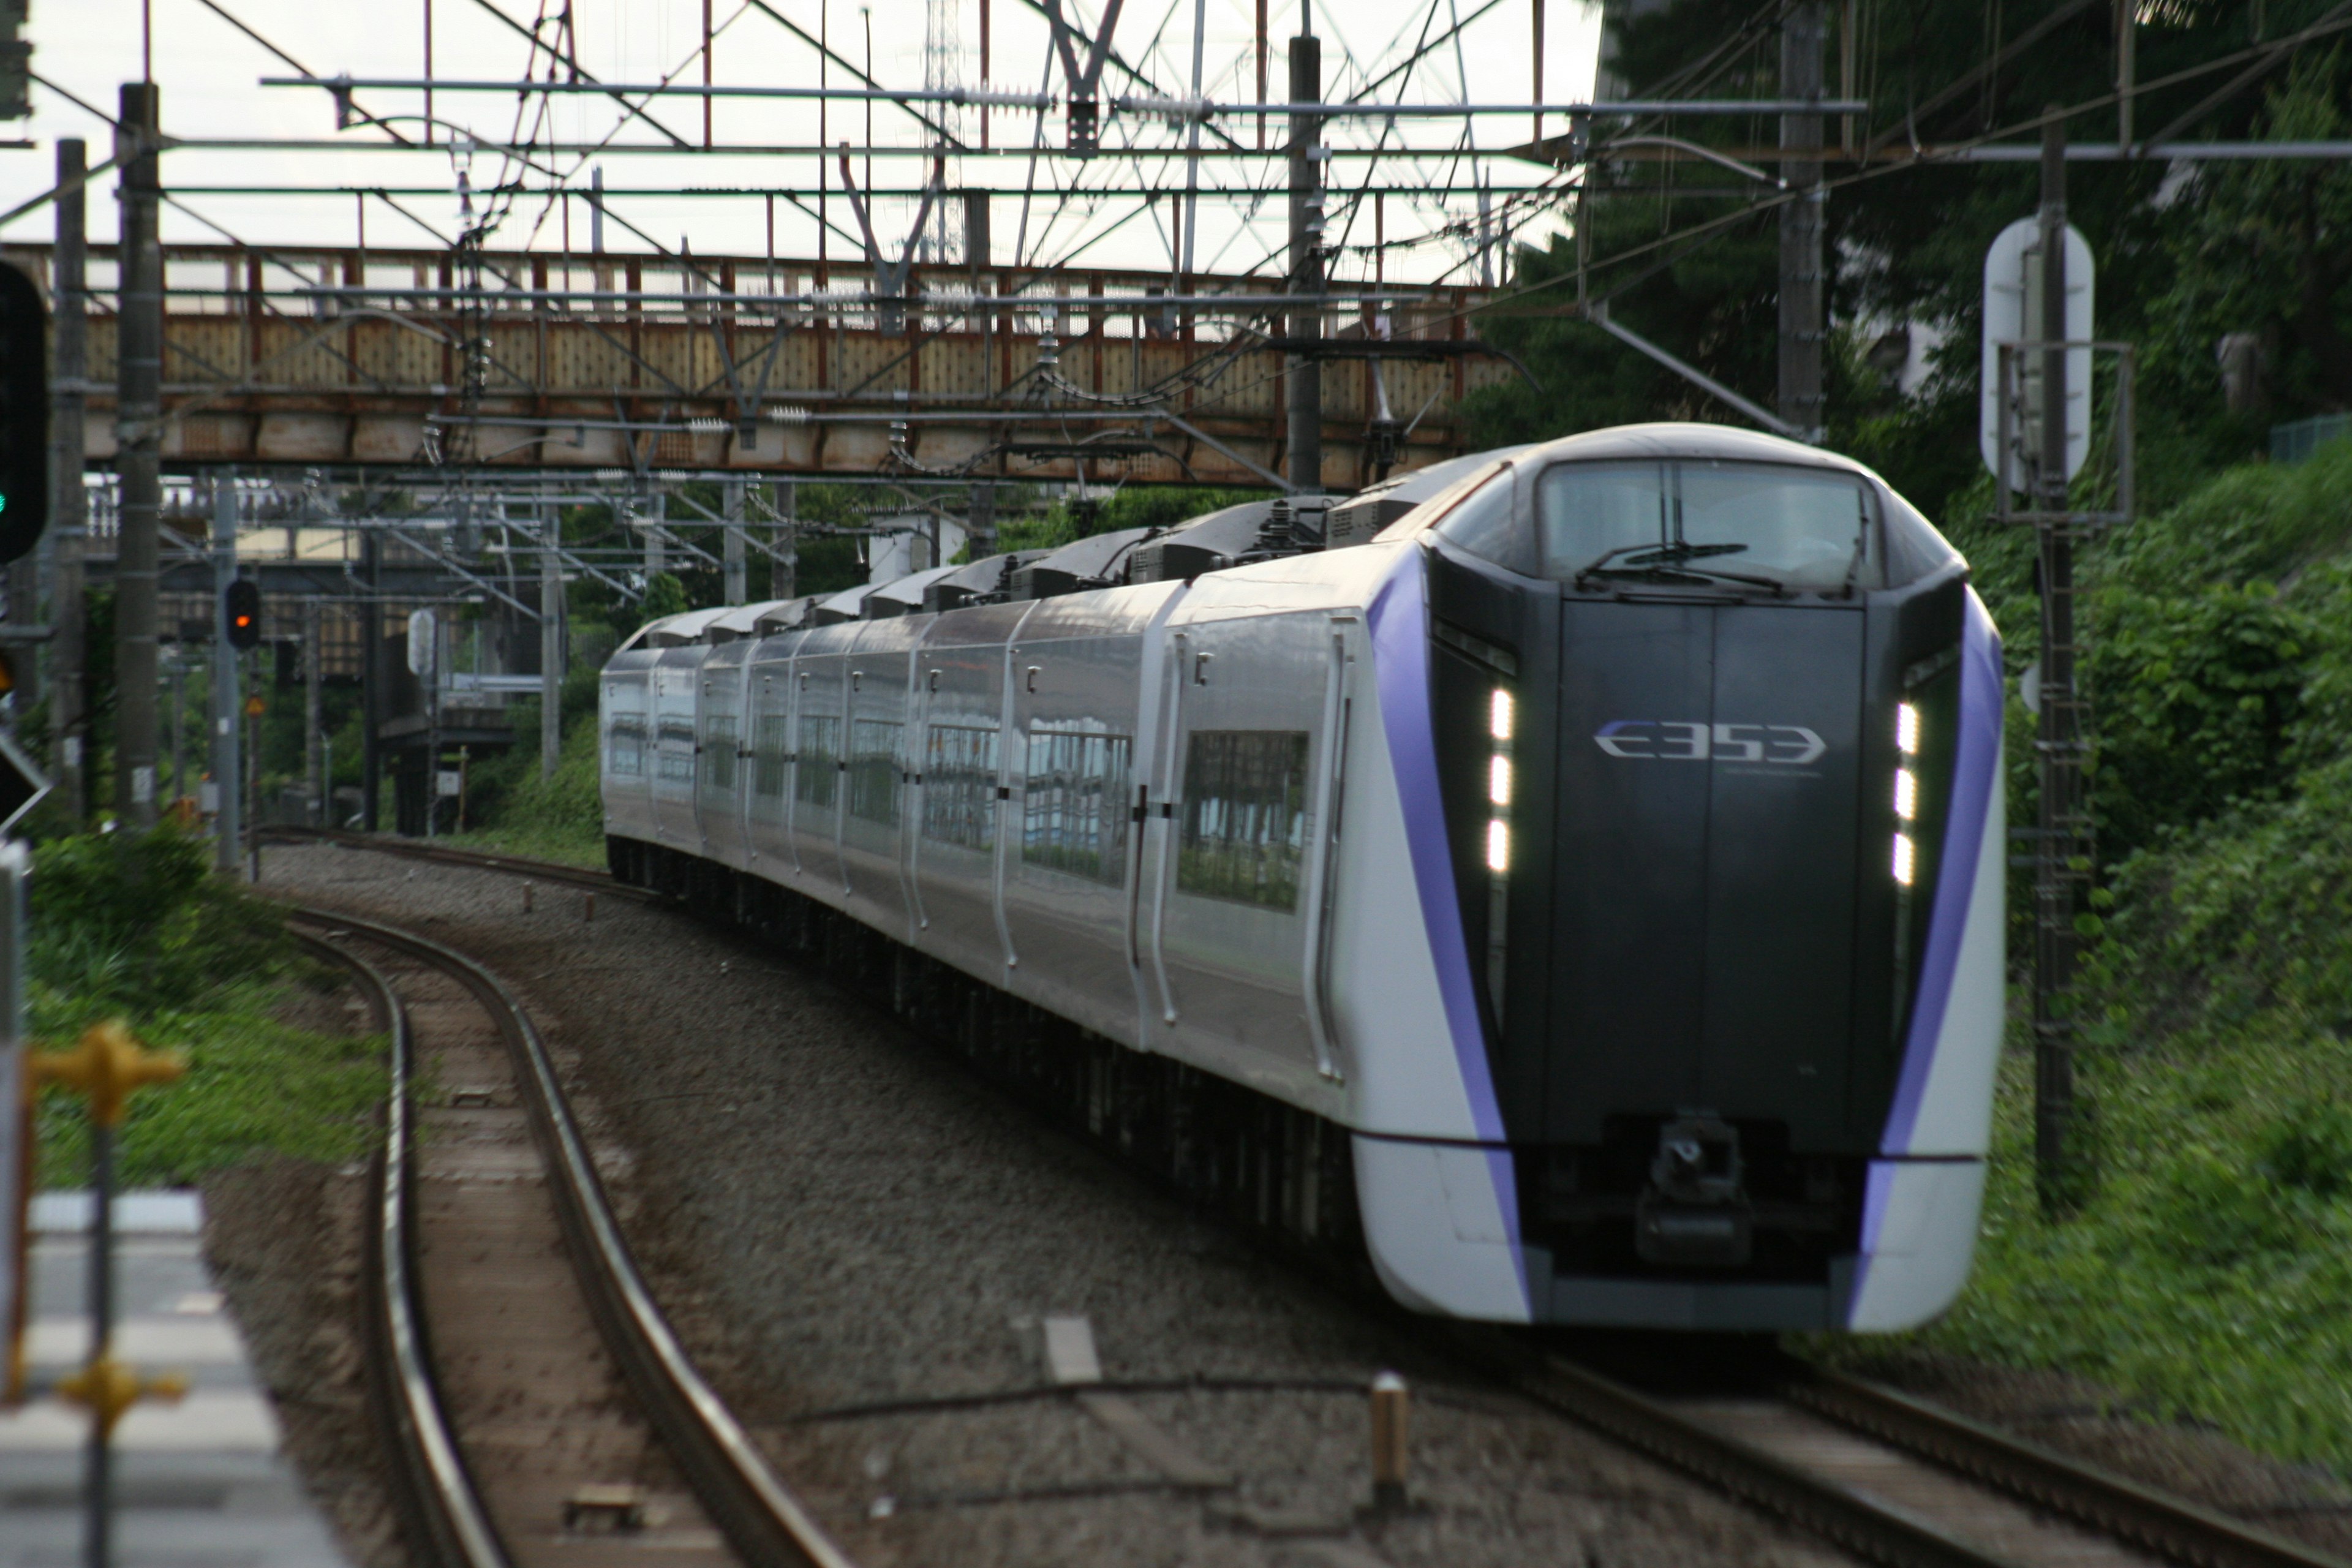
(607, 1510)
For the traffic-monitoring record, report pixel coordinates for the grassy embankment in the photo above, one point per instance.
(2207, 1269)
(139, 928)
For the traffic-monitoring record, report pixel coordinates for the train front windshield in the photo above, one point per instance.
(1739, 524)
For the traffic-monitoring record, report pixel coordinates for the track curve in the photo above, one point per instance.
(757, 1513)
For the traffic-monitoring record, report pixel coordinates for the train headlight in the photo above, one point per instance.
(1907, 794)
(1498, 781)
(1906, 729)
(1499, 715)
(1498, 845)
(1903, 861)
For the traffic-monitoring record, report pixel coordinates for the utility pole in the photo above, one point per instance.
(371, 680)
(1305, 370)
(783, 569)
(735, 589)
(1803, 43)
(227, 710)
(2064, 840)
(550, 642)
(69, 510)
(139, 436)
(314, 708)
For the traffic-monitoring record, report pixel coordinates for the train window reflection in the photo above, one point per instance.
(768, 756)
(873, 771)
(960, 786)
(1074, 803)
(1697, 521)
(625, 748)
(674, 738)
(1244, 815)
(719, 754)
(819, 771)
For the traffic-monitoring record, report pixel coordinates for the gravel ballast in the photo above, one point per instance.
(859, 1242)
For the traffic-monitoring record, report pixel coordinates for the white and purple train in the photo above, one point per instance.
(1570, 877)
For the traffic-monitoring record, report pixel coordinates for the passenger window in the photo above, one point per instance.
(676, 749)
(873, 771)
(1244, 815)
(719, 754)
(1074, 803)
(768, 758)
(960, 786)
(819, 759)
(625, 755)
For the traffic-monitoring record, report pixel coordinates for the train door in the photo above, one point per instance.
(1240, 859)
(675, 682)
(820, 691)
(875, 780)
(1076, 668)
(960, 758)
(767, 723)
(623, 765)
(718, 769)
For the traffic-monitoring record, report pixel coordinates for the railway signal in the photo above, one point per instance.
(244, 614)
(23, 411)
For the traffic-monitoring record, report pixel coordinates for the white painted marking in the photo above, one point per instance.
(64, 1342)
(1070, 1350)
(209, 1420)
(141, 1213)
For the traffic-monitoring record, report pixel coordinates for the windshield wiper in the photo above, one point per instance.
(1664, 571)
(1676, 552)
(1667, 559)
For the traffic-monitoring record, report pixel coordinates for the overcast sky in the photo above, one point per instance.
(208, 74)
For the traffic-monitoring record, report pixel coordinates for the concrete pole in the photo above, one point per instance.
(371, 679)
(314, 711)
(69, 510)
(227, 710)
(140, 438)
(737, 590)
(1306, 371)
(550, 647)
(1802, 44)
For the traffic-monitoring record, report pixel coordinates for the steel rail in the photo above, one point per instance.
(2123, 1509)
(1818, 1505)
(760, 1516)
(445, 1508)
(2174, 1529)
(472, 859)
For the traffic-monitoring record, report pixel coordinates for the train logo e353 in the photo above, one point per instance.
(1669, 740)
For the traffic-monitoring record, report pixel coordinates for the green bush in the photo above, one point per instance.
(136, 926)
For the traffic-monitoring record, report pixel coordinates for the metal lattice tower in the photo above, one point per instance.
(943, 72)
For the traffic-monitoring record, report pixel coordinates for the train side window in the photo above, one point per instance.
(675, 748)
(819, 759)
(719, 754)
(1484, 523)
(768, 755)
(873, 771)
(1074, 803)
(960, 785)
(624, 747)
(1244, 815)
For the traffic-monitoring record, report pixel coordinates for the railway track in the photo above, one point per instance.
(506, 1321)
(1892, 1480)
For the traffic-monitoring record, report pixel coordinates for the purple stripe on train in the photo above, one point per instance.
(1398, 622)
(1976, 773)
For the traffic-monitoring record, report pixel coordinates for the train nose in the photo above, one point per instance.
(1707, 789)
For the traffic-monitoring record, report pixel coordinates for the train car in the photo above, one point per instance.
(1574, 880)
